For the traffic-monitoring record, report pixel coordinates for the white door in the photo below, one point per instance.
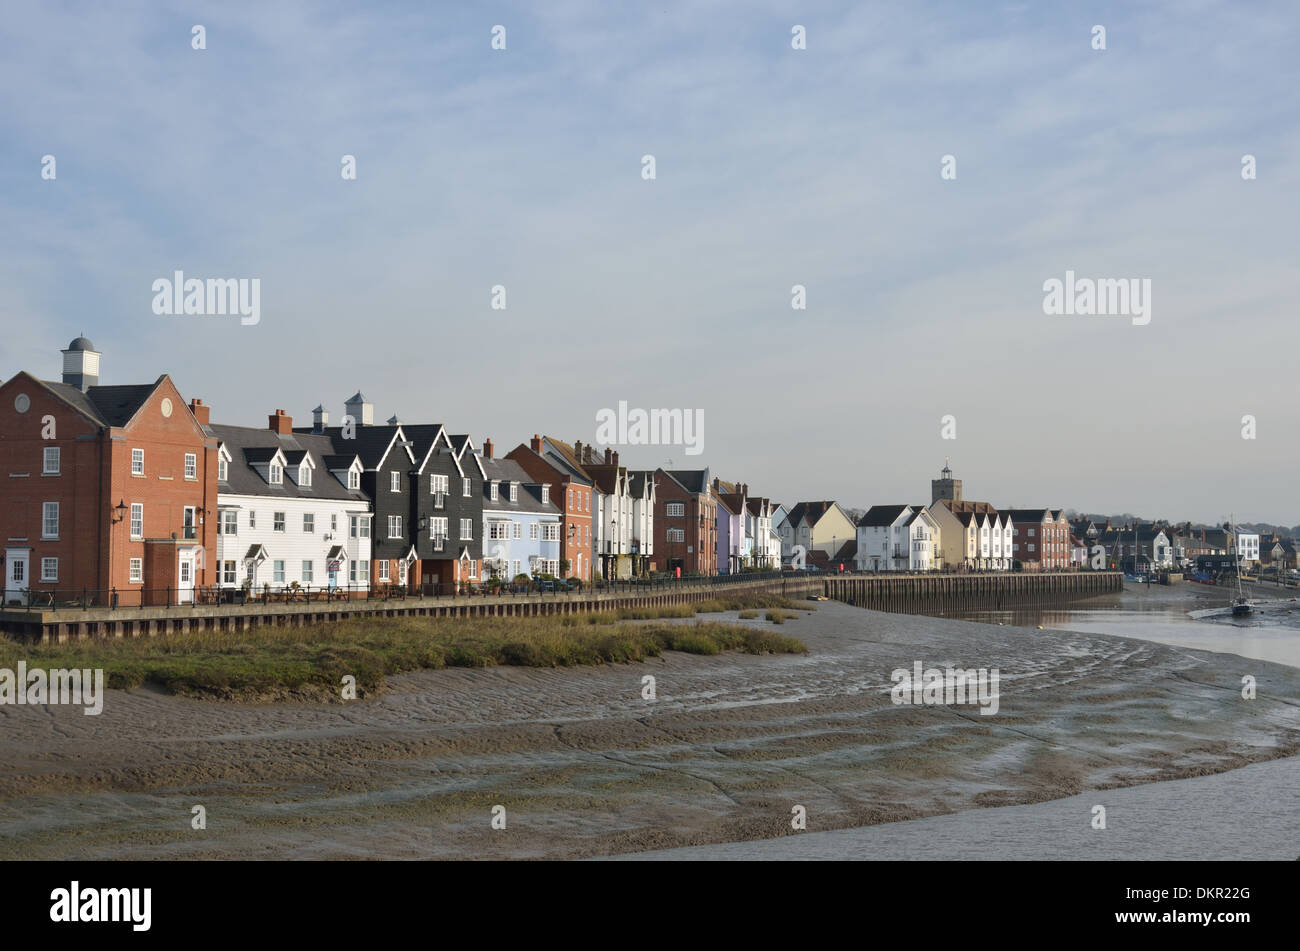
(185, 576)
(16, 573)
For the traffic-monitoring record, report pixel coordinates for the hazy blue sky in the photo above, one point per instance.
(775, 167)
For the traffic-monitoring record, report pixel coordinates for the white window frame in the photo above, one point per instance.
(467, 487)
(514, 491)
(304, 476)
(394, 526)
(309, 523)
(51, 453)
(223, 470)
(49, 510)
(137, 518)
(354, 480)
(136, 571)
(394, 482)
(278, 521)
(276, 474)
(277, 571)
(467, 530)
(49, 569)
(308, 571)
(137, 462)
(191, 466)
(383, 571)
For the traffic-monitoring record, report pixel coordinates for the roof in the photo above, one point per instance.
(81, 343)
(1029, 515)
(106, 405)
(692, 480)
(530, 499)
(371, 443)
(812, 510)
(247, 444)
(881, 515)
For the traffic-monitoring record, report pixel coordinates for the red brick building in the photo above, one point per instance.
(1040, 538)
(686, 522)
(106, 489)
(546, 460)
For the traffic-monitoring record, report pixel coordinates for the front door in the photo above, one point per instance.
(16, 573)
(185, 579)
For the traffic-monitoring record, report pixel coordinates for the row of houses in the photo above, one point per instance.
(948, 533)
(133, 490)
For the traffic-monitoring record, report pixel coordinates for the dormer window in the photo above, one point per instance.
(304, 475)
(276, 474)
(223, 470)
(354, 479)
(494, 492)
(514, 491)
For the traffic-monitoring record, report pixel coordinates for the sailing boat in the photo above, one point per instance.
(1240, 607)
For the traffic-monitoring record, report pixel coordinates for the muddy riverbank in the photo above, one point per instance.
(586, 767)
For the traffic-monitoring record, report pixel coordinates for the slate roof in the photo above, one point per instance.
(106, 405)
(530, 491)
(248, 444)
(368, 442)
(879, 516)
(692, 480)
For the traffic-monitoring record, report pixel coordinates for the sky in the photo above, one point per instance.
(773, 167)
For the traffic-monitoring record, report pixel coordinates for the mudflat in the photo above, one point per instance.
(584, 766)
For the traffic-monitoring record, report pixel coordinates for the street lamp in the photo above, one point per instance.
(120, 510)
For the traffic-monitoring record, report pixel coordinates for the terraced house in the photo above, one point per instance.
(290, 511)
(109, 491)
(555, 463)
(1040, 538)
(521, 525)
(686, 521)
(387, 461)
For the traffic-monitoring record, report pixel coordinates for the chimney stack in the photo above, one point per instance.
(487, 447)
(280, 423)
(536, 443)
(577, 451)
(615, 459)
(201, 412)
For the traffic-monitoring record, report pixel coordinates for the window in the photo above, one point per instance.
(394, 526)
(551, 532)
(277, 521)
(466, 529)
(334, 523)
(438, 483)
(395, 482)
(137, 570)
(360, 526)
(49, 569)
(514, 571)
(678, 509)
(308, 573)
(50, 520)
(517, 530)
(252, 519)
(401, 572)
(227, 572)
(309, 522)
(466, 489)
(363, 571)
(514, 491)
(354, 479)
(191, 465)
(532, 531)
(498, 530)
(277, 571)
(187, 522)
(277, 474)
(494, 492)
(383, 571)
(223, 470)
(438, 532)
(137, 520)
(51, 465)
(137, 462)
(676, 534)
(1031, 533)
(1031, 547)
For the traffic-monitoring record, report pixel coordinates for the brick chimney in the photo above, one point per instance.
(487, 448)
(607, 455)
(280, 423)
(201, 412)
(615, 459)
(577, 451)
(536, 443)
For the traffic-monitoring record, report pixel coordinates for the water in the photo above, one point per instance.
(1272, 633)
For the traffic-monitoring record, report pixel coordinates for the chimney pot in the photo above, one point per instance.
(201, 413)
(487, 447)
(280, 423)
